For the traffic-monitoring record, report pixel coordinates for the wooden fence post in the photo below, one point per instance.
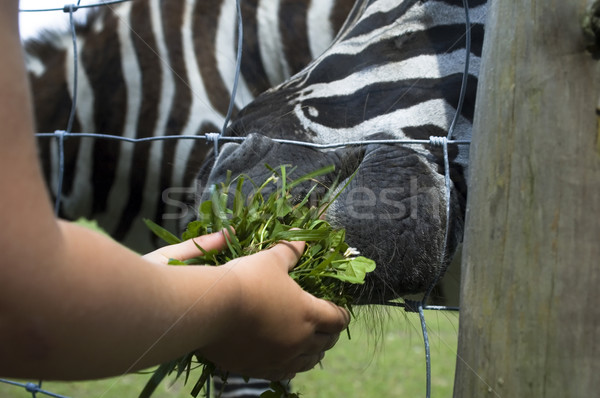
(530, 304)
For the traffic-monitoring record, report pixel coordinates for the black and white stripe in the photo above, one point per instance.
(395, 71)
(154, 68)
(402, 75)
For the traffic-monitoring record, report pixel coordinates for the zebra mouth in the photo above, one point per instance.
(394, 212)
(392, 206)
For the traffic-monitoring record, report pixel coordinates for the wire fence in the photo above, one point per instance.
(414, 306)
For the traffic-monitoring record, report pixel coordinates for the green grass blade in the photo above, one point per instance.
(161, 232)
(159, 374)
(302, 234)
(339, 192)
(311, 176)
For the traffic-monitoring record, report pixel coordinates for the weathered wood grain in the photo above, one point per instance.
(530, 304)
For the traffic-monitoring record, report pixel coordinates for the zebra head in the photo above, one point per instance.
(395, 71)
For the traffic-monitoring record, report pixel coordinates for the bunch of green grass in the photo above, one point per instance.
(326, 269)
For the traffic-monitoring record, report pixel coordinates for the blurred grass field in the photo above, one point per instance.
(381, 361)
(385, 357)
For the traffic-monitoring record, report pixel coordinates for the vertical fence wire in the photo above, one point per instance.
(70, 8)
(408, 305)
(444, 142)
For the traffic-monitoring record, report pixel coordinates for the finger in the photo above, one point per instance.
(327, 340)
(286, 253)
(287, 371)
(304, 363)
(189, 248)
(328, 317)
(321, 342)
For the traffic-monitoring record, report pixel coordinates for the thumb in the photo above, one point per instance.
(286, 253)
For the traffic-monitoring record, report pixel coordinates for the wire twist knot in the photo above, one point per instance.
(213, 137)
(412, 305)
(437, 141)
(32, 387)
(70, 8)
(60, 134)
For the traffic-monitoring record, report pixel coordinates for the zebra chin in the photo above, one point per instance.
(393, 206)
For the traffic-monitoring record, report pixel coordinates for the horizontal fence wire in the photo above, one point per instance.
(212, 137)
(75, 7)
(415, 306)
(33, 388)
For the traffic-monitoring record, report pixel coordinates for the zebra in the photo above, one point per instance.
(395, 72)
(397, 65)
(157, 68)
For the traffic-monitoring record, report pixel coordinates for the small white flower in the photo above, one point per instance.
(351, 252)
